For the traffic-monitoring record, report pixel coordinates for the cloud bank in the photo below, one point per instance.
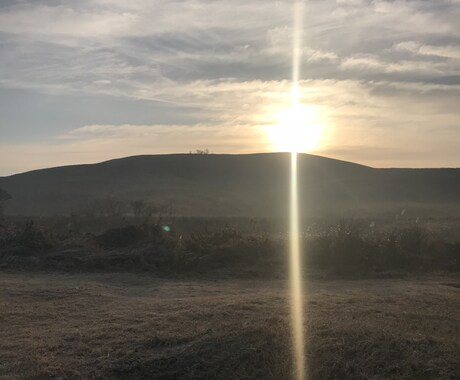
(82, 81)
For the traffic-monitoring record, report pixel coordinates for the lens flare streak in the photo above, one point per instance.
(296, 287)
(295, 264)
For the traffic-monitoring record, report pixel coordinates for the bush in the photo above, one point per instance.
(121, 237)
(227, 249)
(31, 236)
(341, 249)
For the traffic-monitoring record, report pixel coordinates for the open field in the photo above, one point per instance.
(138, 326)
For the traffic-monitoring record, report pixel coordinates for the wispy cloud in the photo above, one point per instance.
(449, 51)
(378, 69)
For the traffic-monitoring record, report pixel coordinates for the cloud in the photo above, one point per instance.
(65, 21)
(450, 51)
(372, 63)
(72, 46)
(210, 70)
(417, 122)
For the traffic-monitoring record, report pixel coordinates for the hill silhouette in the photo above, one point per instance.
(232, 185)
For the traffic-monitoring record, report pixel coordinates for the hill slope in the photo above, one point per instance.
(230, 185)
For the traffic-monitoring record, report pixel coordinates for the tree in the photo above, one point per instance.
(112, 207)
(108, 206)
(200, 151)
(4, 196)
(139, 207)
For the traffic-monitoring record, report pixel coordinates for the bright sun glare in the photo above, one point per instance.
(298, 129)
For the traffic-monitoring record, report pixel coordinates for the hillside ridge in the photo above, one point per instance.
(254, 184)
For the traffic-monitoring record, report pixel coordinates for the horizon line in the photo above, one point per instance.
(197, 153)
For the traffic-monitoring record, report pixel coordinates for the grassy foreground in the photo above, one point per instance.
(132, 326)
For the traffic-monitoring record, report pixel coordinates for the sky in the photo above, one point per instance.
(90, 80)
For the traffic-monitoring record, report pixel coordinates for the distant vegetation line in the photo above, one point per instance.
(346, 248)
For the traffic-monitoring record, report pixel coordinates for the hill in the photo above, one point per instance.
(232, 185)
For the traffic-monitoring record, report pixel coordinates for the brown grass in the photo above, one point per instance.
(130, 326)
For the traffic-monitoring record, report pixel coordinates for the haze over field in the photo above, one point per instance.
(85, 81)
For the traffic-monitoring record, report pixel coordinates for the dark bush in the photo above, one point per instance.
(34, 237)
(227, 249)
(8, 234)
(121, 237)
(341, 249)
(30, 236)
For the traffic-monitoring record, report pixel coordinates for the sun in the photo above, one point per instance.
(298, 129)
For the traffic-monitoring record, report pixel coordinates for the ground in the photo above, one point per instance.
(131, 326)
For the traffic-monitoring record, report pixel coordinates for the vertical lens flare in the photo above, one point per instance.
(295, 274)
(295, 264)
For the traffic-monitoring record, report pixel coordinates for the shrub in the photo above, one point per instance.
(226, 249)
(8, 234)
(341, 249)
(120, 237)
(35, 237)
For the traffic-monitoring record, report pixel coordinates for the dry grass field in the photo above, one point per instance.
(131, 326)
